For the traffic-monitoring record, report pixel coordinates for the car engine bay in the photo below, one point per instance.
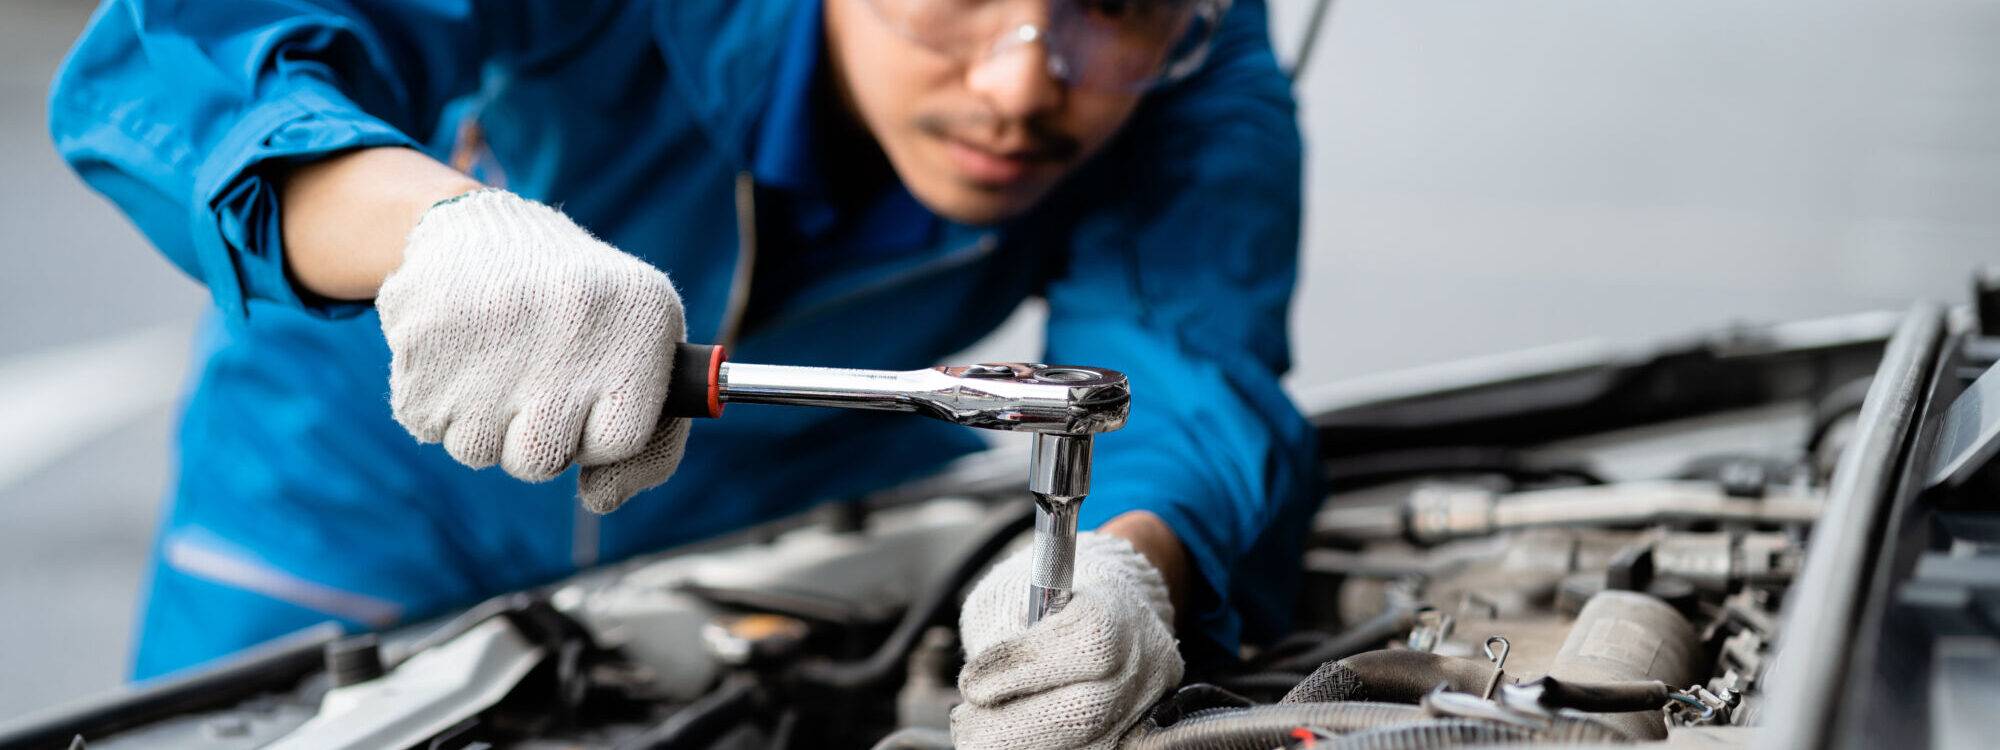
(1579, 548)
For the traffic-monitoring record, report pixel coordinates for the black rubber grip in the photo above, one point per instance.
(694, 390)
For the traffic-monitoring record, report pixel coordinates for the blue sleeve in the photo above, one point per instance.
(1183, 283)
(180, 112)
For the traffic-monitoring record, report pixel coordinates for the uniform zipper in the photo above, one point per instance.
(959, 257)
(746, 263)
(746, 260)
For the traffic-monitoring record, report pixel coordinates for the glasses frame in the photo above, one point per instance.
(1209, 12)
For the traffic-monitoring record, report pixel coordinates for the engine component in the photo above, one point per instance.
(1698, 707)
(1624, 636)
(931, 687)
(1531, 586)
(654, 612)
(424, 696)
(1722, 561)
(1640, 606)
(702, 720)
(1440, 512)
(1970, 436)
(355, 659)
(1433, 627)
(755, 640)
(933, 608)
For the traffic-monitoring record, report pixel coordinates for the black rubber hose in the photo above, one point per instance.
(1395, 676)
(1200, 696)
(1297, 642)
(700, 722)
(1443, 733)
(1601, 697)
(1265, 727)
(1260, 684)
(1371, 633)
(886, 663)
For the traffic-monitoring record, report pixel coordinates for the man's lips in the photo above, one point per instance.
(993, 166)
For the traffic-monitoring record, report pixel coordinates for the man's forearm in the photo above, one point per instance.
(1158, 544)
(345, 218)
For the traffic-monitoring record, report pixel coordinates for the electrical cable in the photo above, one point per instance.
(886, 663)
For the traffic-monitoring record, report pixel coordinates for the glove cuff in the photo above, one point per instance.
(516, 224)
(464, 195)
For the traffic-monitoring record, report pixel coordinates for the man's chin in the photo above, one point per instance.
(978, 205)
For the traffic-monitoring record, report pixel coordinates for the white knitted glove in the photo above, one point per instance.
(517, 338)
(1079, 678)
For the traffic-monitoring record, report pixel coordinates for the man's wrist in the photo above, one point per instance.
(1155, 541)
(344, 218)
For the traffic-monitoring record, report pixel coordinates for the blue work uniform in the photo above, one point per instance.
(681, 132)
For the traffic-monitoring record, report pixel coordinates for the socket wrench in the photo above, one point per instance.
(1062, 406)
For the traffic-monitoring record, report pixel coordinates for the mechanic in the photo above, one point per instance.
(485, 224)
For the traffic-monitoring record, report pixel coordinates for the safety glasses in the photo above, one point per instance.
(1105, 45)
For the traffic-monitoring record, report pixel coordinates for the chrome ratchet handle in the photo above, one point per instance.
(1009, 396)
(877, 390)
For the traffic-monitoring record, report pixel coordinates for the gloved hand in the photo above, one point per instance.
(1079, 678)
(519, 339)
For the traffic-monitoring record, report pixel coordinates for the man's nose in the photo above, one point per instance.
(1015, 79)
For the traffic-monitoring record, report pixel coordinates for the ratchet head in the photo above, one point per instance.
(1022, 397)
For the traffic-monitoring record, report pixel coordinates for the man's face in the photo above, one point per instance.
(976, 141)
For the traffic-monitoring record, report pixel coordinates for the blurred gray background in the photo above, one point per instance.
(1485, 176)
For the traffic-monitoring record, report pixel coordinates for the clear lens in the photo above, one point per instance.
(951, 27)
(1119, 45)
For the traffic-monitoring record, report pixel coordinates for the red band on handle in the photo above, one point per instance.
(715, 359)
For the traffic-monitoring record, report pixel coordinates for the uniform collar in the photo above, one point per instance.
(757, 101)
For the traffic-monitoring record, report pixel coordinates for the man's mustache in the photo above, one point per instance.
(1043, 141)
